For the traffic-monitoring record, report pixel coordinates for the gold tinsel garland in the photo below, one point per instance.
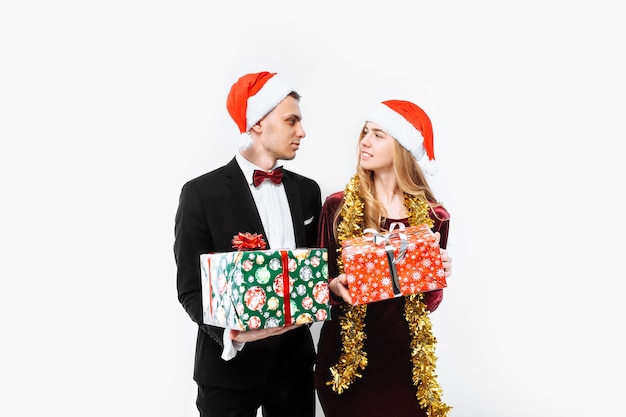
(353, 358)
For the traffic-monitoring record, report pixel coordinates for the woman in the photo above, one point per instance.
(366, 363)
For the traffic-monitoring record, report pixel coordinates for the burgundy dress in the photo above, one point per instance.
(386, 388)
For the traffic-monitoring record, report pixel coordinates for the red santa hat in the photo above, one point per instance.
(253, 96)
(410, 126)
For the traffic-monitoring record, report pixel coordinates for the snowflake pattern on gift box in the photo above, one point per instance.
(371, 276)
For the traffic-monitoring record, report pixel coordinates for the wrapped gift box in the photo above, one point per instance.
(255, 289)
(401, 262)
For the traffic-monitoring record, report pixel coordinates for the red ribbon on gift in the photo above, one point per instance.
(245, 241)
(286, 299)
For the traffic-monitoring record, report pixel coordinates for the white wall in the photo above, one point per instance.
(107, 108)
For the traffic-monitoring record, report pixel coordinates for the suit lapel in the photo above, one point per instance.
(238, 186)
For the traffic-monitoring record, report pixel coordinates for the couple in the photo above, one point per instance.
(277, 369)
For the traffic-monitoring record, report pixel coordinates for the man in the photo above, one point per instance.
(238, 372)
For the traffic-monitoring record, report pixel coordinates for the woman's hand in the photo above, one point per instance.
(446, 259)
(339, 286)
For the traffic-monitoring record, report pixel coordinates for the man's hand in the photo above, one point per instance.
(252, 335)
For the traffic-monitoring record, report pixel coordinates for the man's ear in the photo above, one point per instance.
(257, 127)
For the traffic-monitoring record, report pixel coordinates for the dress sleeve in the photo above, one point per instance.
(326, 236)
(442, 224)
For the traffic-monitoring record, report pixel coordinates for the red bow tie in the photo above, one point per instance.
(275, 176)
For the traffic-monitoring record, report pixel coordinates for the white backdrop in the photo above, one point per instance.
(107, 108)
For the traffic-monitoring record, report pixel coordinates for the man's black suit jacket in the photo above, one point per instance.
(212, 209)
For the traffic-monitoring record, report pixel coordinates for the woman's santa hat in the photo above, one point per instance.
(252, 97)
(410, 126)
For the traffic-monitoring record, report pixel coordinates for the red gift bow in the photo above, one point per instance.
(242, 241)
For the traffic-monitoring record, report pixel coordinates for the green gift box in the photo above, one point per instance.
(256, 289)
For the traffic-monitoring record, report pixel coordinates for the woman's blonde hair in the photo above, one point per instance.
(410, 180)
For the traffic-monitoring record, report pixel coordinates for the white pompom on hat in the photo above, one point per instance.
(410, 126)
(253, 96)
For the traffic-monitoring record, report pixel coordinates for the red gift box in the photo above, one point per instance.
(381, 266)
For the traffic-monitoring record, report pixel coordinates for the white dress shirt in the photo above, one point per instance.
(273, 207)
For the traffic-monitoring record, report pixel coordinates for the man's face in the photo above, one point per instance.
(281, 130)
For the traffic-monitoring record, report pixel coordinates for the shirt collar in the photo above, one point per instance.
(248, 167)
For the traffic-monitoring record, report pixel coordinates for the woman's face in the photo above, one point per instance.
(377, 149)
